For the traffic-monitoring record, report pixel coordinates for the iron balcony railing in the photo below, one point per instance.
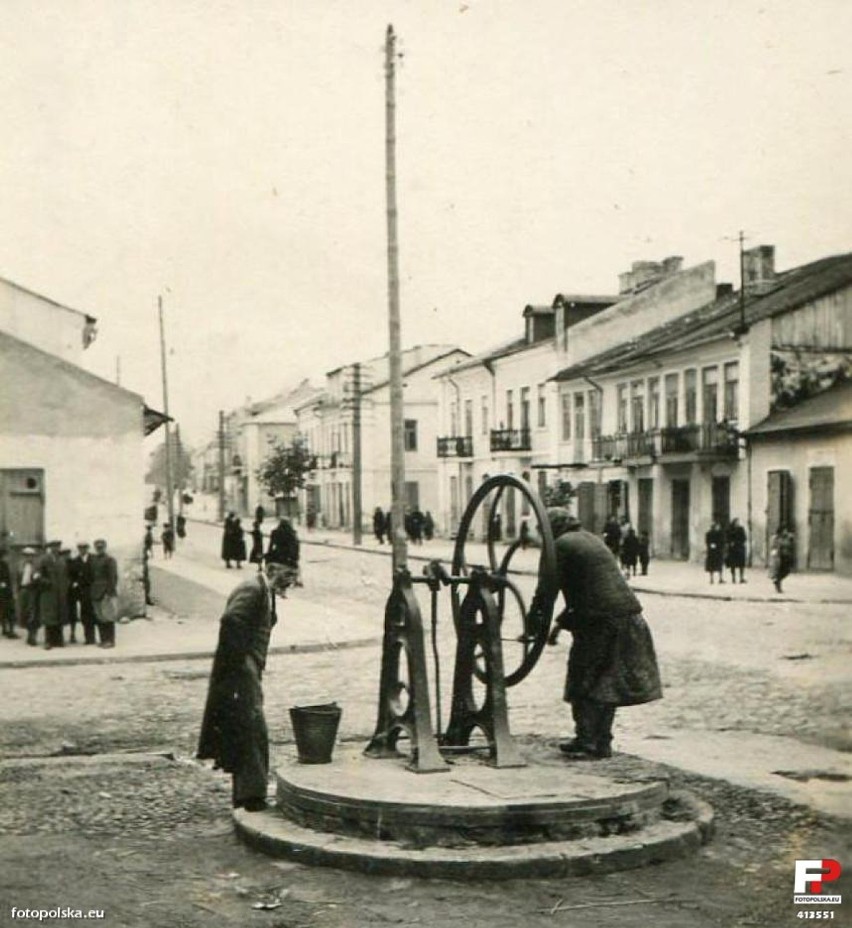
(335, 460)
(455, 446)
(510, 440)
(706, 438)
(709, 438)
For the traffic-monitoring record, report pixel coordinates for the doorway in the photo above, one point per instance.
(646, 505)
(680, 519)
(821, 519)
(21, 507)
(721, 491)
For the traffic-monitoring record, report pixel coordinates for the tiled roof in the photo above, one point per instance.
(831, 409)
(791, 289)
(493, 354)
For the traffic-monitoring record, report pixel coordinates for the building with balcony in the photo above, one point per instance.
(505, 404)
(361, 392)
(663, 428)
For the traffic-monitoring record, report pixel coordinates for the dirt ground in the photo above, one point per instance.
(148, 840)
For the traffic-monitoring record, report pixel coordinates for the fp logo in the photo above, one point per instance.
(809, 879)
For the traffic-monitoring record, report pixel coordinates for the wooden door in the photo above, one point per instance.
(779, 503)
(821, 519)
(22, 507)
(646, 505)
(680, 519)
(721, 491)
(510, 521)
(586, 505)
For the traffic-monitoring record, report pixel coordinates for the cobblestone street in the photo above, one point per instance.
(159, 826)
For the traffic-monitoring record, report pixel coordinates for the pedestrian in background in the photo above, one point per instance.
(80, 591)
(180, 524)
(256, 553)
(7, 597)
(259, 513)
(104, 592)
(416, 526)
(782, 550)
(228, 539)
(714, 558)
(612, 536)
(612, 661)
(524, 533)
(28, 595)
(167, 537)
(379, 525)
(52, 584)
(239, 536)
(644, 552)
(284, 550)
(428, 526)
(233, 732)
(148, 541)
(629, 551)
(735, 550)
(146, 582)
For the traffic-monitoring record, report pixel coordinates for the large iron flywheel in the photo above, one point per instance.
(524, 627)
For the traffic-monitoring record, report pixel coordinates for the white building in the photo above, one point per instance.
(501, 412)
(71, 461)
(326, 423)
(663, 447)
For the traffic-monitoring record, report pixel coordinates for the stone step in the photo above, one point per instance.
(470, 802)
(663, 840)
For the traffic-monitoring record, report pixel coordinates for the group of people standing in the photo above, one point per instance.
(419, 526)
(628, 548)
(283, 546)
(167, 536)
(52, 590)
(726, 548)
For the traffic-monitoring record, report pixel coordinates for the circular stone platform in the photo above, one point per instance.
(553, 817)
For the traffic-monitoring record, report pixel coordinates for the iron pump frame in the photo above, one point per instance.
(479, 597)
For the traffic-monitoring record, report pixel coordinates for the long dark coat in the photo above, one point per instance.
(256, 553)
(52, 586)
(736, 547)
(233, 731)
(630, 549)
(714, 542)
(7, 594)
(612, 658)
(284, 545)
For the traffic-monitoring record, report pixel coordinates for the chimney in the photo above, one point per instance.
(644, 274)
(759, 269)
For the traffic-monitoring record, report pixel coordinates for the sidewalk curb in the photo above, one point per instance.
(188, 655)
(326, 543)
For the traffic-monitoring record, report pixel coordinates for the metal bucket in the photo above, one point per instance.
(315, 729)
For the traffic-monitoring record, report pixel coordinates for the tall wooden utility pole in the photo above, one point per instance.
(742, 283)
(221, 437)
(170, 493)
(356, 455)
(179, 471)
(400, 552)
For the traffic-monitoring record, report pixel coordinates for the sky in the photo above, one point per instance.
(229, 156)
